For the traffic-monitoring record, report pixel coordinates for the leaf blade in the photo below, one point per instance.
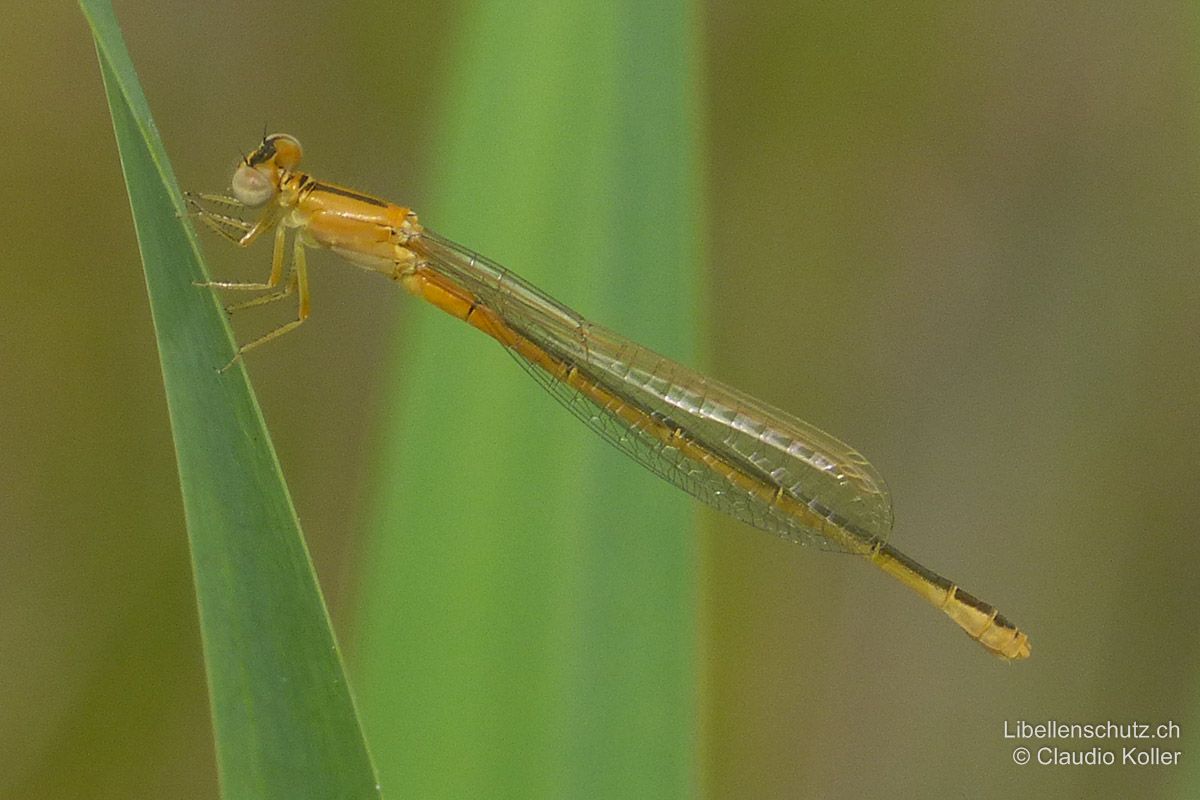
(284, 721)
(544, 618)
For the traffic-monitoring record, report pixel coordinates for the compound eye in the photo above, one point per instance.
(251, 186)
(287, 150)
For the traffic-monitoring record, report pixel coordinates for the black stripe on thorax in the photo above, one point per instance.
(326, 187)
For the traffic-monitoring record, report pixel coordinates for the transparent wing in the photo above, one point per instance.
(834, 483)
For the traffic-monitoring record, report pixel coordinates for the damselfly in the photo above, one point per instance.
(737, 454)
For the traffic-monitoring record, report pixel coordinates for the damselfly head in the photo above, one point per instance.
(258, 177)
(278, 148)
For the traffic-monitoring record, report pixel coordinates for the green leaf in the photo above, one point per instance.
(284, 721)
(529, 613)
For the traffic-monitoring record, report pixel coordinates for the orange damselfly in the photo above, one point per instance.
(731, 451)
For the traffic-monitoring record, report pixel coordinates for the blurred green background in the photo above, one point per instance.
(962, 239)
